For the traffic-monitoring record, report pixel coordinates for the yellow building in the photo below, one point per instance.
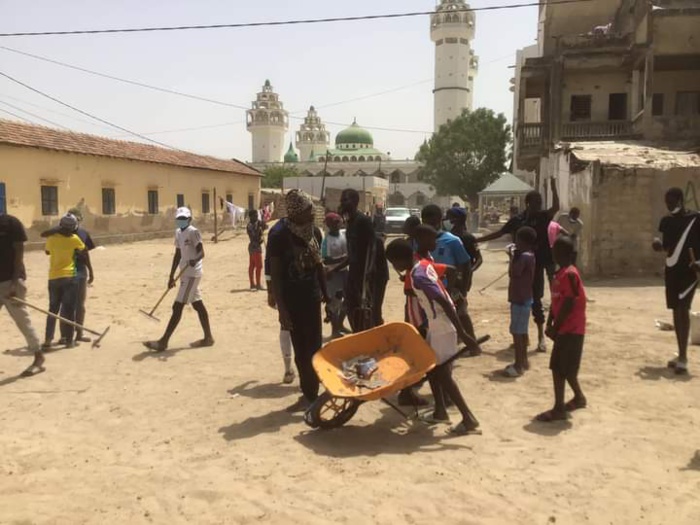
(121, 187)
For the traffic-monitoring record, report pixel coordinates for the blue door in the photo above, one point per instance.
(3, 198)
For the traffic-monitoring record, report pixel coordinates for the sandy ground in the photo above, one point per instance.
(119, 435)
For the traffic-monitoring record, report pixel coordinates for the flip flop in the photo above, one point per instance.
(202, 343)
(463, 430)
(155, 345)
(430, 420)
(511, 372)
(572, 405)
(550, 416)
(33, 370)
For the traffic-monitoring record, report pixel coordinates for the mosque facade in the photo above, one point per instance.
(353, 152)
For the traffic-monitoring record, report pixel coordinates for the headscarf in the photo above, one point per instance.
(332, 218)
(297, 203)
(68, 223)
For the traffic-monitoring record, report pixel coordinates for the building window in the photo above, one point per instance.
(688, 103)
(153, 202)
(617, 106)
(657, 104)
(108, 201)
(251, 201)
(49, 200)
(206, 203)
(180, 200)
(3, 198)
(580, 107)
(420, 200)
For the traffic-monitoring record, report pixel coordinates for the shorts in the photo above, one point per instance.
(189, 290)
(680, 288)
(566, 354)
(520, 318)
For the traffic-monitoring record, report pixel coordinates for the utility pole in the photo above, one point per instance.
(323, 180)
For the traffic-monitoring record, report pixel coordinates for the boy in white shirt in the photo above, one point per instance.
(189, 253)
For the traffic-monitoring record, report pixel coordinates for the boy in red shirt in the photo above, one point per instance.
(566, 326)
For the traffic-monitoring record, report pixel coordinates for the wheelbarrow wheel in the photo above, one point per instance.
(329, 412)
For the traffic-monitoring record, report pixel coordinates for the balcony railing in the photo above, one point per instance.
(596, 130)
(530, 135)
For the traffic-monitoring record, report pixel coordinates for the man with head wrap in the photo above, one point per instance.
(298, 285)
(63, 283)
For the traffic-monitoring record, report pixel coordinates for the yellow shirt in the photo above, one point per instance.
(62, 251)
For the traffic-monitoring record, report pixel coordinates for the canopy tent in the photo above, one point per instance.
(508, 189)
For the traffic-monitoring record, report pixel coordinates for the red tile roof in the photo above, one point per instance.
(31, 135)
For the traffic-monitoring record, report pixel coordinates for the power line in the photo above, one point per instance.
(33, 115)
(16, 116)
(46, 95)
(283, 22)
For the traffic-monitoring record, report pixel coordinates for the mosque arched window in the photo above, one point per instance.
(353, 158)
(361, 158)
(345, 159)
(336, 159)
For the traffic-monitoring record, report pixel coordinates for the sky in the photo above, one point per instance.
(330, 66)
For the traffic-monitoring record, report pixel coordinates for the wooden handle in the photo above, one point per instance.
(50, 314)
(177, 278)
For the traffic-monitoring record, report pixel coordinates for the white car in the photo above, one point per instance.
(395, 218)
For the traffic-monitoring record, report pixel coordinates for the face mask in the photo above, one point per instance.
(182, 223)
(446, 225)
(676, 210)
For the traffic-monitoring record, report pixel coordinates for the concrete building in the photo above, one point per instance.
(623, 75)
(452, 30)
(121, 187)
(268, 122)
(531, 110)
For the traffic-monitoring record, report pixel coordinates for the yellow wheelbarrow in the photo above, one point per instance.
(400, 358)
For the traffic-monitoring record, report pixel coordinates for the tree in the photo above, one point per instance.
(466, 154)
(274, 175)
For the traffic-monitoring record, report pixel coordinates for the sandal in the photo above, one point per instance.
(572, 405)
(33, 370)
(430, 419)
(155, 345)
(550, 416)
(511, 372)
(288, 378)
(463, 430)
(202, 343)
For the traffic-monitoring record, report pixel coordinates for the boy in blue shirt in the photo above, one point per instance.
(450, 251)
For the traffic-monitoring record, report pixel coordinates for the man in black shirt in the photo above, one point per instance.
(681, 241)
(12, 277)
(458, 218)
(298, 286)
(368, 271)
(538, 219)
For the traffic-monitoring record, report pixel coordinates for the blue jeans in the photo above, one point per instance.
(63, 293)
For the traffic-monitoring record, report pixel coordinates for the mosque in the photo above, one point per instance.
(354, 160)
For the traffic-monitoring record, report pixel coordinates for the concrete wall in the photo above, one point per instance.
(599, 86)
(80, 179)
(621, 210)
(569, 19)
(677, 34)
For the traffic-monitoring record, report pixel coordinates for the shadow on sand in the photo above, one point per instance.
(265, 424)
(548, 429)
(255, 390)
(694, 463)
(161, 356)
(655, 373)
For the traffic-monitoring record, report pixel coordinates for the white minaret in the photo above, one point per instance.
(268, 122)
(452, 30)
(312, 136)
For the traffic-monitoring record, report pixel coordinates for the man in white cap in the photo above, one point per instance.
(189, 253)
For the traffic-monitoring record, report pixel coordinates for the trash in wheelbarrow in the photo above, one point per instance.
(359, 371)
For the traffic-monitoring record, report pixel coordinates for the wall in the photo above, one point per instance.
(621, 210)
(599, 85)
(574, 18)
(80, 179)
(268, 143)
(676, 34)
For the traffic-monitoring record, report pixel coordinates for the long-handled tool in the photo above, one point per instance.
(492, 283)
(95, 343)
(150, 314)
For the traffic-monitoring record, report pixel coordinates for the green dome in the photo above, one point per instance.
(291, 155)
(354, 135)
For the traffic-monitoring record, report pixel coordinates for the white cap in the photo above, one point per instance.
(183, 213)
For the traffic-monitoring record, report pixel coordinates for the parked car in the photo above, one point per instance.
(395, 217)
(415, 212)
